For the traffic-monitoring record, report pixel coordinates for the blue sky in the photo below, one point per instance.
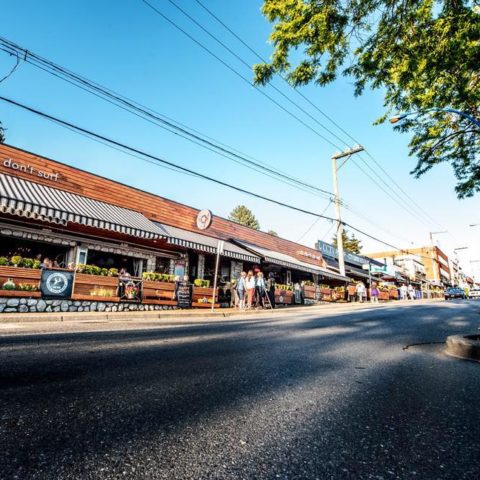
(128, 48)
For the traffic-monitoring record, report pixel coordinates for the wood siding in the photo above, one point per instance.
(152, 206)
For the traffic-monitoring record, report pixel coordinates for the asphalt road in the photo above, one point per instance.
(317, 395)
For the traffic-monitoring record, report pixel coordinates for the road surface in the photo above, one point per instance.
(322, 394)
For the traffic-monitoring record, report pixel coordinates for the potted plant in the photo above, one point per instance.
(131, 291)
(9, 285)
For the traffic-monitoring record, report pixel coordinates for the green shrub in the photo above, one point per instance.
(95, 270)
(3, 261)
(104, 272)
(16, 260)
(27, 262)
(198, 282)
(112, 272)
(37, 264)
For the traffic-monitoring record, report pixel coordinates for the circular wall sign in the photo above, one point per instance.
(57, 283)
(204, 219)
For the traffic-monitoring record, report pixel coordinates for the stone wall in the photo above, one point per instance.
(24, 305)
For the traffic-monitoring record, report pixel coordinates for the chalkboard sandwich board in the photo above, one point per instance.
(184, 294)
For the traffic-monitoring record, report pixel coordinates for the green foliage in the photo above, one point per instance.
(104, 272)
(198, 282)
(273, 233)
(16, 261)
(241, 214)
(3, 261)
(113, 272)
(158, 277)
(351, 244)
(27, 262)
(421, 54)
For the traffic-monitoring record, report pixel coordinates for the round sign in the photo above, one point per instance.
(204, 219)
(57, 283)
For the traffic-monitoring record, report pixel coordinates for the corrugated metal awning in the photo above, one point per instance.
(40, 202)
(204, 243)
(288, 261)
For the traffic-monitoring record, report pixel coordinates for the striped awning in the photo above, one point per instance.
(40, 202)
(288, 261)
(204, 243)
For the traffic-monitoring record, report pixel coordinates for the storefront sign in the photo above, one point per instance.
(25, 168)
(328, 250)
(184, 295)
(56, 284)
(204, 219)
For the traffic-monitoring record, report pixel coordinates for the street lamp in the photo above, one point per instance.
(346, 153)
(400, 116)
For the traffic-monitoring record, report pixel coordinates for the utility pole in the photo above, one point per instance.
(347, 153)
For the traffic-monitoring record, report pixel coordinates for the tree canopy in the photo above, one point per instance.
(243, 215)
(422, 54)
(351, 244)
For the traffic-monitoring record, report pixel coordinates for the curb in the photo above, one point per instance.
(466, 347)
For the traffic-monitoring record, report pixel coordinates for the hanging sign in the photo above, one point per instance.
(56, 284)
(204, 219)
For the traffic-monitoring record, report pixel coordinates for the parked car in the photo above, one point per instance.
(454, 292)
(474, 293)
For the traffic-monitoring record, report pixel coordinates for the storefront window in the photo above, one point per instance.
(10, 247)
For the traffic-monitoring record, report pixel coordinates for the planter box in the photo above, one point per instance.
(158, 290)
(383, 296)
(95, 298)
(19, 275)
(283, 297)
(309, 292)
(393, 294)
(84, 284)
(19, 293)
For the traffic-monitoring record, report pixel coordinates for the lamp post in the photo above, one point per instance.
(400, 116)
(346, 153)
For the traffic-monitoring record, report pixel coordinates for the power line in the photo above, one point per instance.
(155, 158)
(238, 74)
(330, 119)
(156, 118)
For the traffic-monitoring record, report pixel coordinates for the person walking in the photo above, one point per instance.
(271, 289)
(241, 290)
(411, 292)
(260, 290)
(403, 292)
(374, 293)
(360, 291)
(250, 284)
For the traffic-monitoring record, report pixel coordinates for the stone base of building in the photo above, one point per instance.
(33, 305)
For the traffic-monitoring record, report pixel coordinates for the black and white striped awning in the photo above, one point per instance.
(32, 200)
(204, 243)
(288, 261)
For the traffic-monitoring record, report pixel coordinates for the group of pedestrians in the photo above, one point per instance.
(253, 291)
(408, 293)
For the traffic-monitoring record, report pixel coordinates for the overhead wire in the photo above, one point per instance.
(156, 118)
(325, 115)
(169, 20)
(183, 169)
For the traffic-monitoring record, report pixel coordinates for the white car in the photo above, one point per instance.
(474, 293)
